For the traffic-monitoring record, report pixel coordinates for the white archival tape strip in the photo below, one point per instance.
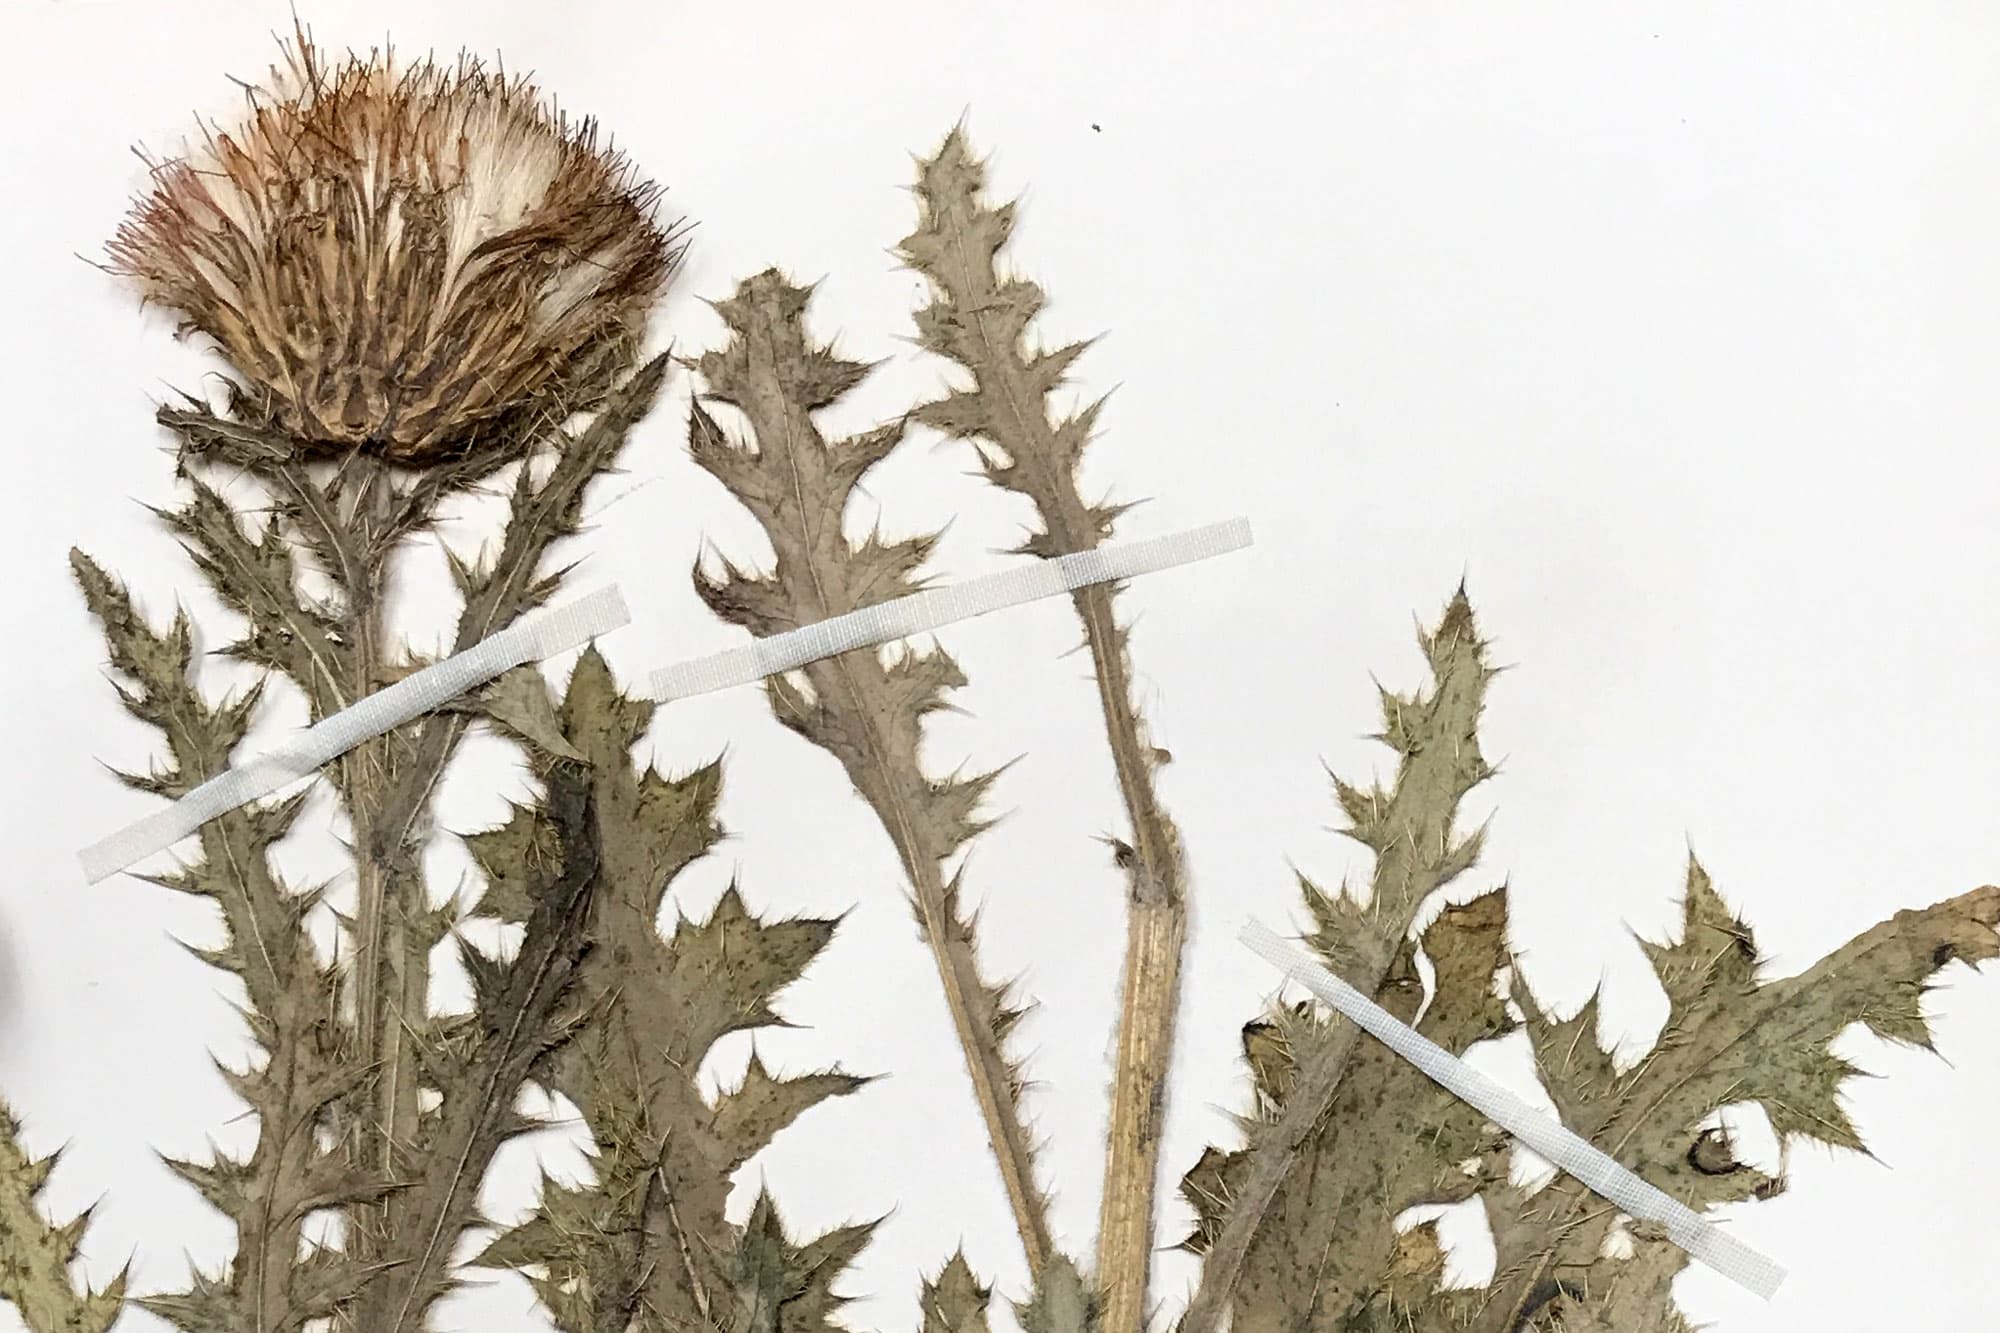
(543, 634)
(1540, 1131)
(923, 611)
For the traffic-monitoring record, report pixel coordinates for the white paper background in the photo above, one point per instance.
(1671, 327)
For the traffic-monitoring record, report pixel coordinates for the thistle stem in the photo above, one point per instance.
(1155, 938)
(979, 320)
(391, 961)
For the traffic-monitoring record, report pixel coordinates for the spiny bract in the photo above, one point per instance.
(398, 260)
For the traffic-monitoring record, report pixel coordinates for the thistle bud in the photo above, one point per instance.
(402, 261)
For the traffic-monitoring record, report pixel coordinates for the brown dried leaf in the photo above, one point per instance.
(870, 717)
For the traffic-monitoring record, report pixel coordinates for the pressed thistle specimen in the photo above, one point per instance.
(418, 278)
(422, 281)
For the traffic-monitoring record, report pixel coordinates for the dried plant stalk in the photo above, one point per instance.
(980, 320)
(868, 715)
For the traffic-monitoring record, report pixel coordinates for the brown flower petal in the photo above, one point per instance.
(402, 260)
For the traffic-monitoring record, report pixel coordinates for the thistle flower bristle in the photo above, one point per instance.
(401, 260)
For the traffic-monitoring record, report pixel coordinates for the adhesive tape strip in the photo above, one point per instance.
(540, 635)
(569, 626)
(923, 611)
(1546, 1135)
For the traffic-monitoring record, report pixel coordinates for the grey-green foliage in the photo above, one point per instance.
(869, 714)
(981, 320)
(1326, 1254)
(305, 1063)
(595, 1002)
(373, 1105)
(1412, 827)
(646, 1246)
(325, 1082)
(1730, 1037)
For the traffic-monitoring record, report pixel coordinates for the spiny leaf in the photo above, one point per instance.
(1729, 1038)
(956, 1302)
(916, 684)
(775, 1286)
(1389, 1140)
(643, 1248)
(1467, 946)
(747, 1119)
(35, 1254)
(511, 584)
(797, 484)
(980, 319)
(291, 1012)
(543, 515)
(1063, 1301)
(602, 723)
(519, 701)
(257, 579)
(156, 664)
(223, 1180)
(238, 442)
(1345, 1125)
(515, 858)
(724, 970)
(516, 1024)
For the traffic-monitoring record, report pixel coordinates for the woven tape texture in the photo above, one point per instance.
(924, 611)
(569, 626)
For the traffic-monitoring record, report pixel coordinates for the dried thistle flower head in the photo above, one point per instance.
(401, 260)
